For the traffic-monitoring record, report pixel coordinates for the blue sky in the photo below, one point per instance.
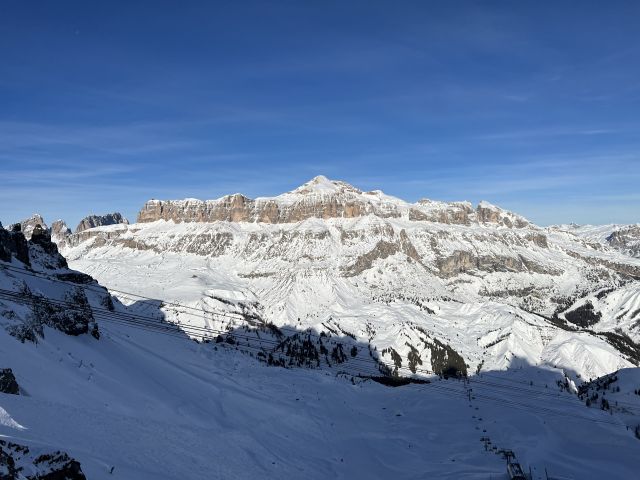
(534, 106)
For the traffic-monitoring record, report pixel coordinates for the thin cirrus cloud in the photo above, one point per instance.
(524, 106)
(549, 132)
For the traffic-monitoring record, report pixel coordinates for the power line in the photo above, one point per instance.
(162, 328)
(538, 389)
(150, 323)
(204, 332)
(99, 288)
(191, 328)
(178, 330)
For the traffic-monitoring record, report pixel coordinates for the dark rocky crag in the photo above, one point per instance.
(68, 310)
(8, 383)
(20, 462)
(14, 244)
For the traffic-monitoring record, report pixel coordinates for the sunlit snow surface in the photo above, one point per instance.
(301, 284)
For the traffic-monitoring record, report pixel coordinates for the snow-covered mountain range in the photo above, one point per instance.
(101, 390)
(108, 382)
(410, 280)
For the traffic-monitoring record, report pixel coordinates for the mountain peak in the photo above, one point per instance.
(27, 225)
(319, 179)
(321, 185)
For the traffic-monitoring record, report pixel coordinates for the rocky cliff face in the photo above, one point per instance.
(39, 290)
(13, 244)
(63, 236)
(59, 231)
(319, 198)
(324, 199)
(27, 226)
(19, 462)
(92, 221)
(31, 243)
(488, 213)
(8, 383)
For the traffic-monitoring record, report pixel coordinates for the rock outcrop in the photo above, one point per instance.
(60, 306)
(59, 231)
(43, 251)
(62, 235)
(460, 213)
(74, 317)
(8, 383)
(488, 213)
(13, 244)
(27, 226)
(92, 221)
(19, 462)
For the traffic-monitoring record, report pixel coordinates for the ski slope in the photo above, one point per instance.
(154, 406)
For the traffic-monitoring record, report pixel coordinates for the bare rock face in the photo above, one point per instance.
(460, 213)
(319, 198)
(101, 236)
(69, 312)
(27, 226)
(540, 239)
(59, 232)
(23, 462)
(382, 250)
(487, 213)
(43, 251)
(464, 261)
(72, 321)
(8, 383)
(323, 198)
(13, 243)
(93, 221)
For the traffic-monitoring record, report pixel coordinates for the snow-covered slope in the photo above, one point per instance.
(624, 238)
(620, 391)
(408, 280)
(149, 406)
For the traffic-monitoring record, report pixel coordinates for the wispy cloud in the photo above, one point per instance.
(559, 131)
